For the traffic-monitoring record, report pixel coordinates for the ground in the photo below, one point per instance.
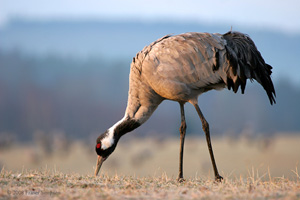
(57, 185)
(261, 168)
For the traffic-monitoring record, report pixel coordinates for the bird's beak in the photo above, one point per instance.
(100, 160)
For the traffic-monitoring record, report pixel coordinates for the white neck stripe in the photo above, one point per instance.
(108, 141)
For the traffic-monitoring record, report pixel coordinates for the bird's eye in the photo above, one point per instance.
(98, 146)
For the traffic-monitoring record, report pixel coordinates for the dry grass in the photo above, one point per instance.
(50, 184)
(147, 169)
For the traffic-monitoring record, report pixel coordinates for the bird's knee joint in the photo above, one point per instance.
(183, 127)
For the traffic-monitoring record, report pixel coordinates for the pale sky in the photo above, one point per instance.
(282, 15)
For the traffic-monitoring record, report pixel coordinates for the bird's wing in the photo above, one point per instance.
(188, 64)
(188, 58)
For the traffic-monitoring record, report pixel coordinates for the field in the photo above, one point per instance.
(259, 168)
(48, 185)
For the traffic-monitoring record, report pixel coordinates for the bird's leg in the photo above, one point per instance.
(182, 136)
(205, 127)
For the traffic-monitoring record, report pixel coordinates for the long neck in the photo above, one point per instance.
(135, 115)
(111, 137)
(142, 102)
(125, 125)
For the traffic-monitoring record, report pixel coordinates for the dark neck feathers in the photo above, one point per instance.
(126, 126)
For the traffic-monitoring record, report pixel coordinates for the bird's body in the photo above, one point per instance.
(180, 68)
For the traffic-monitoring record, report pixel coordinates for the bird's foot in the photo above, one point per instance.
(180, 179)
(218, 178)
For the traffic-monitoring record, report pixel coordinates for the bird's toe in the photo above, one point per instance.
(218, 179)
(180, 180)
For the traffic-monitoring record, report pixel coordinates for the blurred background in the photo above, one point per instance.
(64, 69)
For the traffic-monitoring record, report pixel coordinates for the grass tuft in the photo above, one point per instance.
(54, 184)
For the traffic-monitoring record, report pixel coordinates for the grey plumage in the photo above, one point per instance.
(183, 66)
(180, 68)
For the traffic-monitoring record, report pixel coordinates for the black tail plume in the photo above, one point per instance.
(245, 62)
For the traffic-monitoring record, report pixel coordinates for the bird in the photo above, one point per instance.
(180, 68)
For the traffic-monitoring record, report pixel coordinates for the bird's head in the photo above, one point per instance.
(106, 144)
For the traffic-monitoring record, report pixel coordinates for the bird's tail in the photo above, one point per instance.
(245, 62)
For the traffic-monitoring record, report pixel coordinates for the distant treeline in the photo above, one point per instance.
(83, 97)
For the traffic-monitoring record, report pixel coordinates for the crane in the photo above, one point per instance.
(180, 68)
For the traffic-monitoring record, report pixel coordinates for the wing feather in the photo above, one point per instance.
(187, 58)
(183, 66)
